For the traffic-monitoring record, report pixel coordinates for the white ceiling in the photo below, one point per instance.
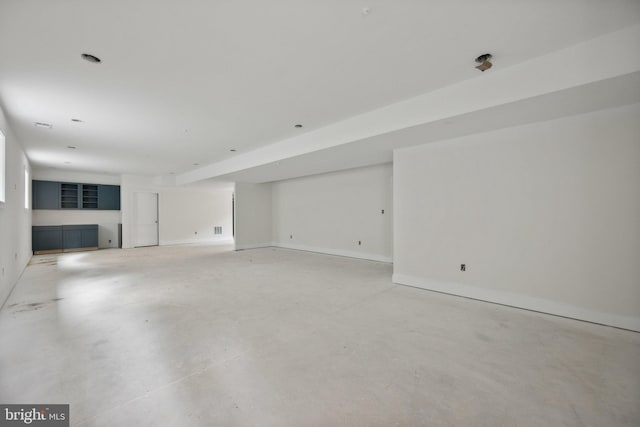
(184, 82)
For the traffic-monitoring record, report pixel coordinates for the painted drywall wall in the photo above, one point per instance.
(107, 220)
(50, 174)
(545, 216)
(189, 216)
(181, 211)
(15, 219)
(338, 213)
(253, 216)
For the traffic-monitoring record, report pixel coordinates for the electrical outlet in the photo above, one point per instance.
(3, 271)
(359, 242)
(463, 267)
(195, 232)
(15, 255)
(291, 236)
(109, 240)
(382, 211)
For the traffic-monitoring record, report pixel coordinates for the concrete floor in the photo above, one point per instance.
(200, 336)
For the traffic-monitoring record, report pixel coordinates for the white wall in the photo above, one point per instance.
(15, 220)
(189, 216)
(50, 174)
(332, 212)
(181, 211)
(107, 220)
(253, 215)
(545, 216)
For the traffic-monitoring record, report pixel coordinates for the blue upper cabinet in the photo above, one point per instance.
(90, 196)
(109, 197)
(45, 195)
(70, 195)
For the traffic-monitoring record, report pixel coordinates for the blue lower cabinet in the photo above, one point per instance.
(63, 238)
(71, 239)
(89, 236)
(46, 239)
(76, 237)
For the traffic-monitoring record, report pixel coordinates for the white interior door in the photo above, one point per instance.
(146, 219)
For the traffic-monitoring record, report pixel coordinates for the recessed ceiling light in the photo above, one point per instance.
(298, 126)
(485, 62)
(76, 120)
(71, 147)
(91, 58)
(42, 125)
(172, 173)
(196, 164)
(67, 163)
(233, 150)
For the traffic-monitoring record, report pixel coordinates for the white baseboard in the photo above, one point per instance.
(6, 292)
(253, 246)
(188, 241)
(520, 301)
(330, 251)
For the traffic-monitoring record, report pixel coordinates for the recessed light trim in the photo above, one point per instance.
(485, 62)
(233, 150)
(196, 164)
(298, 126)
(71, 147)
(76, 120)
(91, 58)
(43, 125)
